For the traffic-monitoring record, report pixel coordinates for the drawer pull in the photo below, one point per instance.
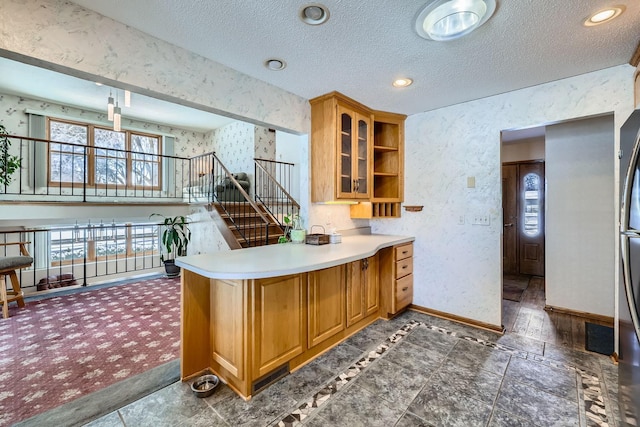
(405, 289)
(405, 252)
(404, 267)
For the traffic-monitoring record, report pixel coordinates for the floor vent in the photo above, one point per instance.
(270, 378)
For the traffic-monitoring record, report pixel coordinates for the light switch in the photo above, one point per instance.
(471, 182)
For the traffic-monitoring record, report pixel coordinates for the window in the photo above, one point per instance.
(98, 156)
(71, 245)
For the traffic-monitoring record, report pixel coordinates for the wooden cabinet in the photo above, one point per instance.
(362, 289)
(326, 303)
(278, 328)
(387, 168)
(341, 147)
(228, 314)
(396, 272)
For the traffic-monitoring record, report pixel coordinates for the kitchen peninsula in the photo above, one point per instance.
(253, 315)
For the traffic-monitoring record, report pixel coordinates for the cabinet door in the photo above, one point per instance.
(326, 311)
(278, 322)
(228, 327)
(345, 142)
(371, 288)
(356, 291)
(361, 159)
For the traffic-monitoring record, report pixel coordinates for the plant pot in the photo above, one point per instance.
(298, 236)
(171, 268)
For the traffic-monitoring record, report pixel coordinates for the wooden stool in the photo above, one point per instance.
(8, 267)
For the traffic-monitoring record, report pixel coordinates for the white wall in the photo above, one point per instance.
(526, 149)
(457, 268)
(61, 35)
(580, 215)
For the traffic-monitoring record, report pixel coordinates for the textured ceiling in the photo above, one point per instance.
(365, 45)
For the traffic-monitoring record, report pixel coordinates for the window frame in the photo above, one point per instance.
(90, 171)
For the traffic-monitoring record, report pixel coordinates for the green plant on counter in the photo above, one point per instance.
(8, 164)
(288, 222)
(175, 236)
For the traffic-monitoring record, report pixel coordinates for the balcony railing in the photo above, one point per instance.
(53, 171)
(80, 254)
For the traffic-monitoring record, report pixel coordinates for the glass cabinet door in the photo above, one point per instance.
(345, 151)
(363, 159)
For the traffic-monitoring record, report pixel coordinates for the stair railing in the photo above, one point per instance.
(254, 227)
(272, 188)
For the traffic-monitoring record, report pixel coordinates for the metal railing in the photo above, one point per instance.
(73, 255)
(272, 188)
(54, 170)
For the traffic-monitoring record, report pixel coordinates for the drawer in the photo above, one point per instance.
(404, 267)
(403, 293)
(404, 251)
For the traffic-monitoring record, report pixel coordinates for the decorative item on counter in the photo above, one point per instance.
(298, 233)
(335, 237)
(317, 238)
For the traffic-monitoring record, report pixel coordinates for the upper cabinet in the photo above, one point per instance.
(341, 147)
(357, 154)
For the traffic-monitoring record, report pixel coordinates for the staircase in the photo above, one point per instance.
(243, 227)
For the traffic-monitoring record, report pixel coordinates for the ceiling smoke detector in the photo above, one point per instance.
(314, 14)
(443, 20)
(275, 64)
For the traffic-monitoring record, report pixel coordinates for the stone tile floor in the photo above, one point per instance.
(415, 370)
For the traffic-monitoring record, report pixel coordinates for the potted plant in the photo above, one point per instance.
(175, 239)
(8, 164)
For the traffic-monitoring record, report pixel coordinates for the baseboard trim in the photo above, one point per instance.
(456, 318)
(583, 314)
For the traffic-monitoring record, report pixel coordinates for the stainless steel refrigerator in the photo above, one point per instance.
(629, 289)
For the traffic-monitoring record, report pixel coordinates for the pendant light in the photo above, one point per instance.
(110, 107)
(127, 98)
(117, 116)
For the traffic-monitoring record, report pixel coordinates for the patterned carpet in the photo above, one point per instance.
(58, 349)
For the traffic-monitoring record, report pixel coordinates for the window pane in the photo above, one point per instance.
(145, 174)
(145, 168)
(110, 139)
(66, 167)
(69, 133)
(531, 204)
(145, 144)
(67, 245)
(111, 171)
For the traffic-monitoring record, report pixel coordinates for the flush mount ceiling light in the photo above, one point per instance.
(403, 82)
(275, 64)
(603, 16)
(443, 20)
(314, 14)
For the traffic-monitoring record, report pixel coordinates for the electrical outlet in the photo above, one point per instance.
(481, 220)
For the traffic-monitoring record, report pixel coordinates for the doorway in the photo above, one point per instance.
(523, 216)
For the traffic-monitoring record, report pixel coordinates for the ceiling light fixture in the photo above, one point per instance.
(110, 107)
(117, 118)
(403, 82)
(275, 64)
(443, 20)
(604, 15)
(314, 14)
(127, 98)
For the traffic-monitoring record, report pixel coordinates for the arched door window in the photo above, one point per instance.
(532, 202)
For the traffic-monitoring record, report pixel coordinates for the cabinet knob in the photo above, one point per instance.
(405, 289)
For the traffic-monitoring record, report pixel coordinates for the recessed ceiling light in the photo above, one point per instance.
(314, 14)
(98, 84)
(275, 64)
(604, 15)
(443, 20)
(403, 82)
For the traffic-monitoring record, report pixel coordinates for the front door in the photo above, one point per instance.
(510, 219)
(523, 218)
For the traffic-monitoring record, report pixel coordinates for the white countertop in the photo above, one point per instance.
(288, 258)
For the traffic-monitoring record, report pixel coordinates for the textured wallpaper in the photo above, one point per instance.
(457, 268)
(80, 41)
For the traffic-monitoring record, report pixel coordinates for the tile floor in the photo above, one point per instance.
(415, 370)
